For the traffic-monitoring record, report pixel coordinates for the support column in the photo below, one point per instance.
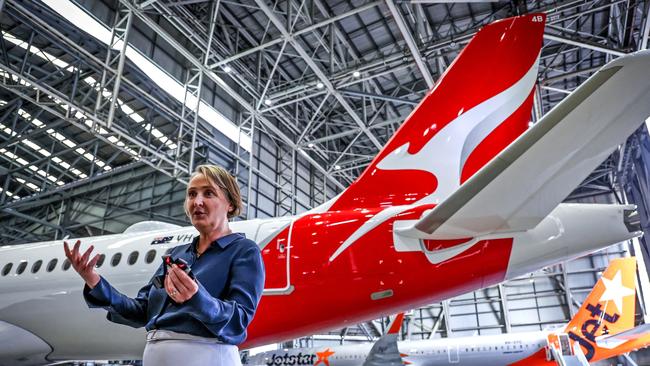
(109, 86)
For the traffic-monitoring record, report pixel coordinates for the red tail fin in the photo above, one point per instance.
(478, 107)
(396, 324)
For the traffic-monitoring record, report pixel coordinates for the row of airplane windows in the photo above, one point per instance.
(115, 261)
(480, 349)
(445, 350)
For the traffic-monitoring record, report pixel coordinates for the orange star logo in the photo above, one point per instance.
(323, 357)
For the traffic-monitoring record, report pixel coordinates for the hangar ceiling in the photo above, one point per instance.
(313, 87)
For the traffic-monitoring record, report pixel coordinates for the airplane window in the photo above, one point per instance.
(133, 257)
(100, 261)
(151, 256)
(37, 265)
(7, 268)
(116, 259)
(66, 264)
(52, 265)
(21, 267)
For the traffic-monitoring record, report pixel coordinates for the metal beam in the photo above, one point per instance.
(211, 75)
(306, 30)
(646, 30)
(319, 73)
(377, 96)
(584, 44)
(32, 218)
(410, 43)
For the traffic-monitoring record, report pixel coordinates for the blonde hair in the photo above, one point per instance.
(219, 177)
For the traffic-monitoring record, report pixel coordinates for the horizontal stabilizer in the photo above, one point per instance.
(527, 180)
(613, 341)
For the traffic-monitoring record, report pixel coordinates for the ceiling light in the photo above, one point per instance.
(320, 85)
(227, 68)
(310, 145)
(356, 74)
(268, 101)
(337, 167)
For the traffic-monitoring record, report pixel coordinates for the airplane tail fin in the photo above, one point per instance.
(385, 351)
(608, 310)
(396, 324)
(478, 107)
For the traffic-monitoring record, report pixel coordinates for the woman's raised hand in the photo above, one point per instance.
(81, 264)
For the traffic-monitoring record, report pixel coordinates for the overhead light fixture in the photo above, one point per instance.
(227, 68)
(310, 145)
(320, 85)
(268, 101)
(356, 74)
(337, 167)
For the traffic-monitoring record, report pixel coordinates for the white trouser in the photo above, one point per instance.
(165, 347)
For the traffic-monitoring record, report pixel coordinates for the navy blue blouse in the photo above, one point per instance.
(230, 275)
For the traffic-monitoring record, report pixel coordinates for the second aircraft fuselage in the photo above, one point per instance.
(493, 350)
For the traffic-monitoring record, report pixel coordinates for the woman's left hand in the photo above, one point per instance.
(179, 286)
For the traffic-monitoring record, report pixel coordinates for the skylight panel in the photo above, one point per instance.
(33, 186)
(89, 80)
(59, 161)
(83, 20)
(37, 51)
(69, 143)
(77, 114)
(7, 130)
(31, 144)
(24, 162)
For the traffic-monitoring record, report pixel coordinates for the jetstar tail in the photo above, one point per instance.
(604, 325)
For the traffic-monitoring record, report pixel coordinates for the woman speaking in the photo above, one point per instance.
(199, 319)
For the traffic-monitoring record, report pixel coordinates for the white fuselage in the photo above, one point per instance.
(43, 314)
(492, 350)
